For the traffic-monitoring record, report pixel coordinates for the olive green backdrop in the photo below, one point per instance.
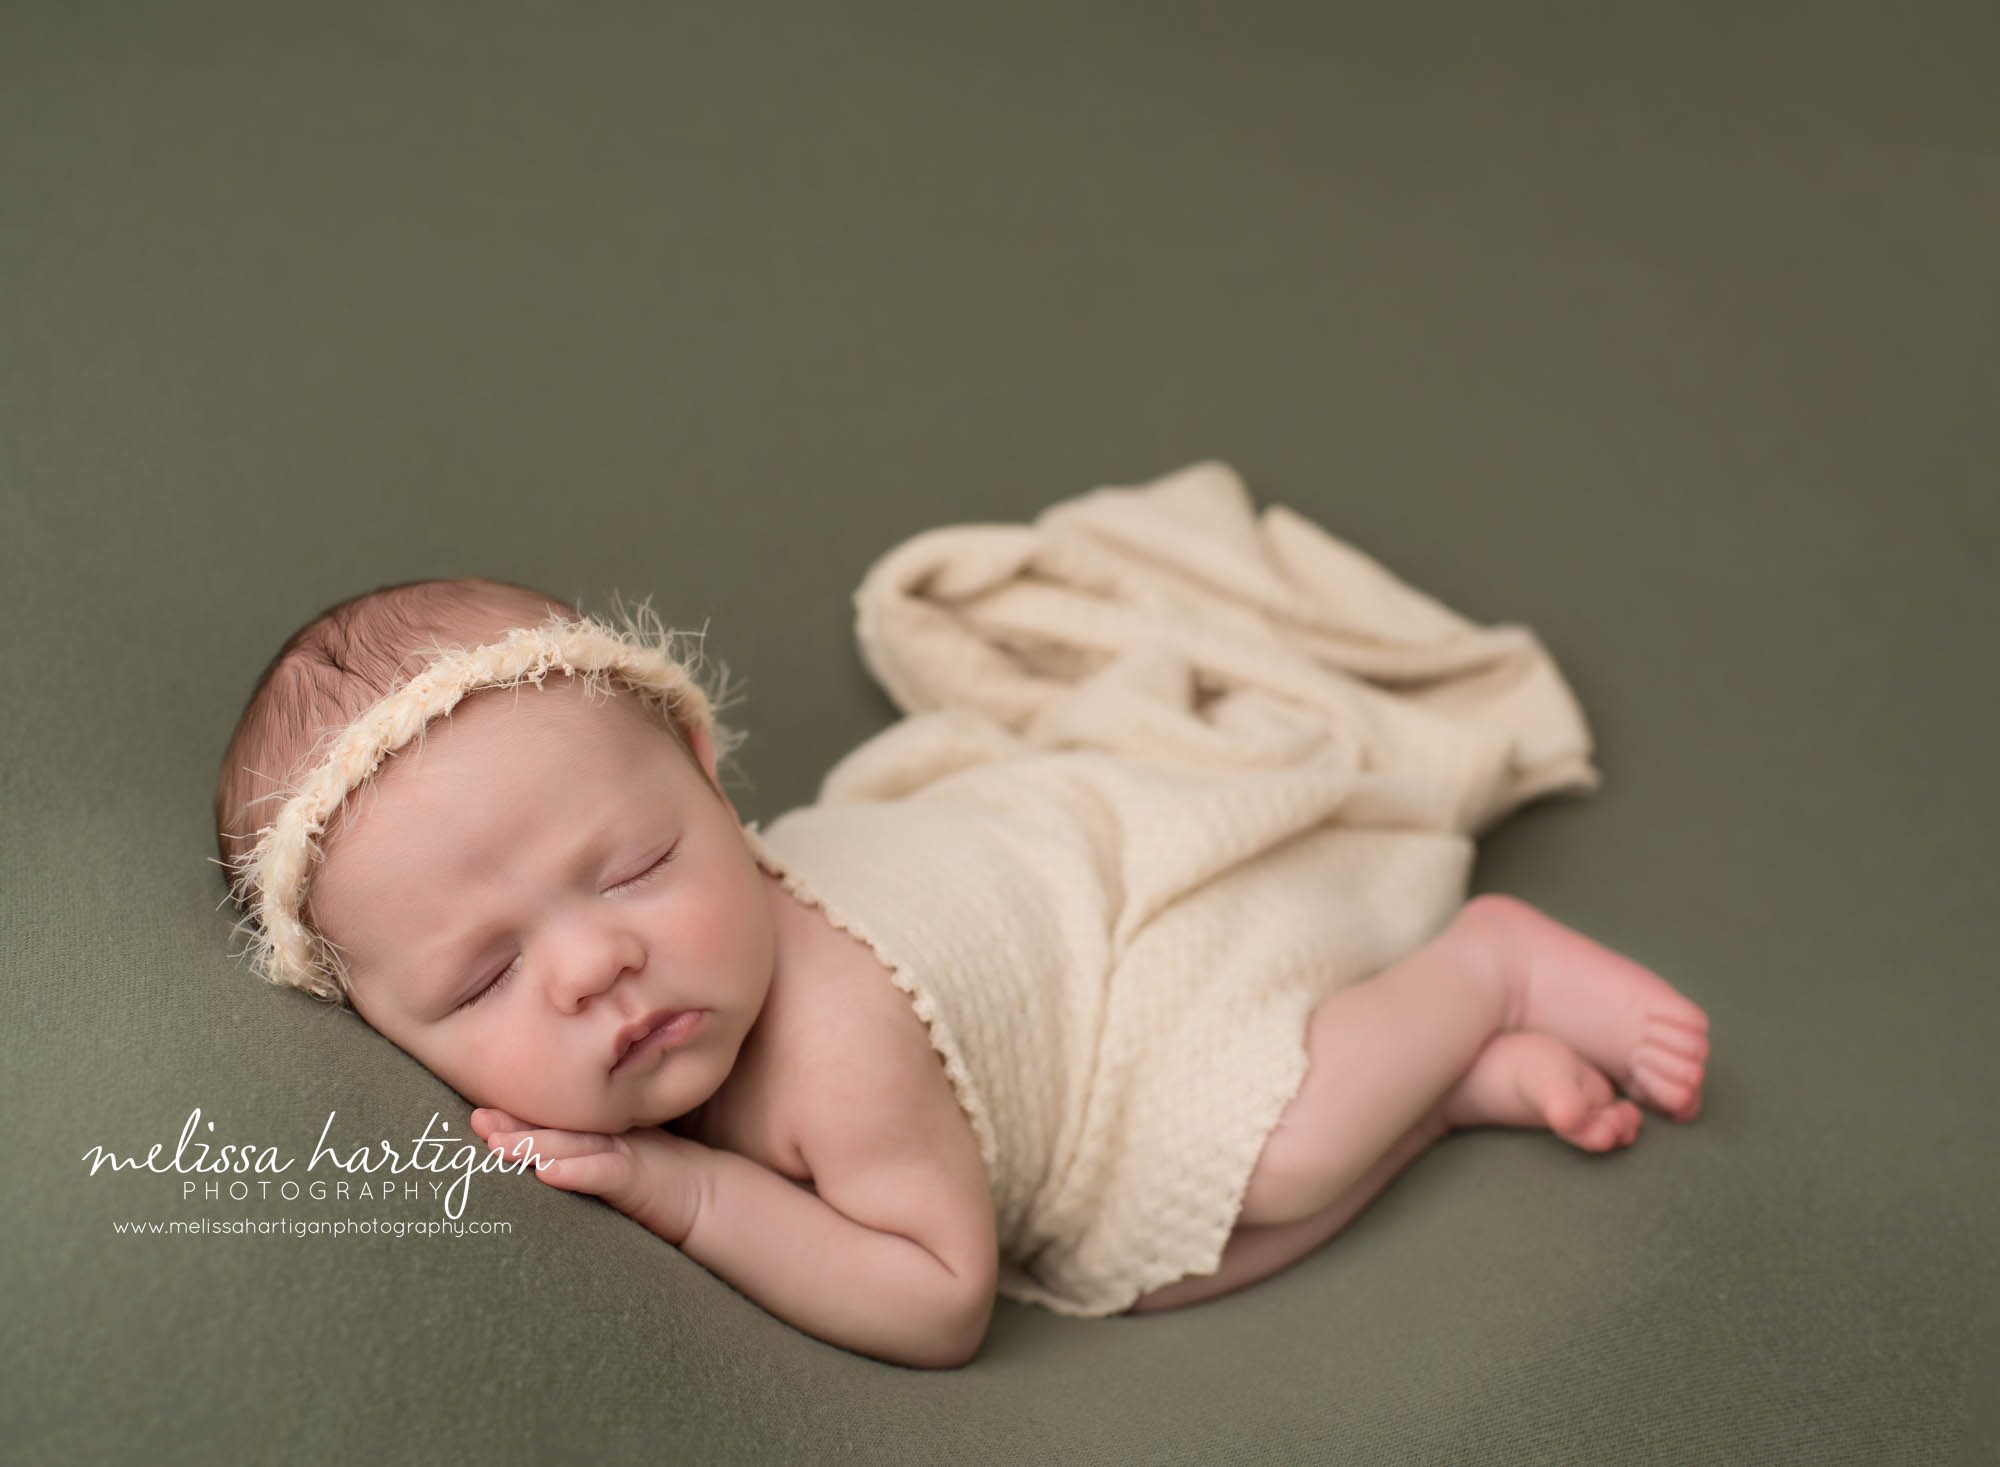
(1667, 331)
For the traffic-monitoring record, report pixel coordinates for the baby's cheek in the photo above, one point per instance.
(698, 929)
(520, 1074)
(495, 1067)
(728, 932)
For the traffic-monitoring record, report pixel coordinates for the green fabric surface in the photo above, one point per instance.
(1668, 332)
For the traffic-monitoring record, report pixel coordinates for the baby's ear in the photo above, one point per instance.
(703, 747)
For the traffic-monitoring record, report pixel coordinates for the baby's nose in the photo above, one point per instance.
(589, 960)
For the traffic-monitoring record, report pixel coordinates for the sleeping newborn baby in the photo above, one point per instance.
(496, 828)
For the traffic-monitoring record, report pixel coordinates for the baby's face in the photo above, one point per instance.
(541, 874)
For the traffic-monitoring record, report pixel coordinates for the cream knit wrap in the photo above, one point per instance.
(272, 879)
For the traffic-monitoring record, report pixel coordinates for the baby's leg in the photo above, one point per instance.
(1254, 1253)
(1381, 1056)
(1517, 1080)
(1388, 1054)
(1506, 1018)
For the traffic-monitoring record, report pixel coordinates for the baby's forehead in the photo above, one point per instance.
(498, 731)
(565, 704)
(488, 745)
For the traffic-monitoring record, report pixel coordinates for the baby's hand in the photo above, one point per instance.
(652, 1176)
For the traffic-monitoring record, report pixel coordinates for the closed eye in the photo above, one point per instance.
(649, 874)
(651, 871)
(499, 978)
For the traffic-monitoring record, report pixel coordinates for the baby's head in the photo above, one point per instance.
(519, 883)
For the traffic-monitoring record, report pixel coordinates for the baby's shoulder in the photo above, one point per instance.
(878, 1125)
(842, 1052)
(861, 1060)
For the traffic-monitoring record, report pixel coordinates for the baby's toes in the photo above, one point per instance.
(1670, 1060)
(1630, 1118)
(1680, 1033)
(1597, 1131)
(1667, 1082)
(1615, 1126)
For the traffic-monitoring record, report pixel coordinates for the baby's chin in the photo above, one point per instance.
(538, 1114)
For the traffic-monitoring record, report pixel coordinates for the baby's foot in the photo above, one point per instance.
(1622, 1017)
(1536, 1080)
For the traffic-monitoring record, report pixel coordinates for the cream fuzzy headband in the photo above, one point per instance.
(273, 877)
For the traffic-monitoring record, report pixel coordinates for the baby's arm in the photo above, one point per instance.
(878, 1293)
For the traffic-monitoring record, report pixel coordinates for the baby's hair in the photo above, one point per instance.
(353, 654)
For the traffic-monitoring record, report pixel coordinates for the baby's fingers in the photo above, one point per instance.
(608, 1174)
(647, 1175)
(576, 1161)
(543, 1147)
(486, 1120)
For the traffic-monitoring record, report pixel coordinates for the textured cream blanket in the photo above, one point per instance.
(1172, 770)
